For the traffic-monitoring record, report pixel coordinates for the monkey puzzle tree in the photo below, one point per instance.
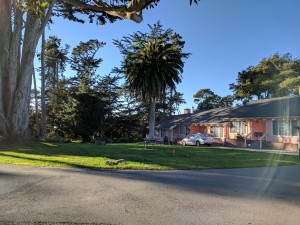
(152, 63)
(21, 24)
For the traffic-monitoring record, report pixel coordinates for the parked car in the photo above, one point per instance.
(196, 139)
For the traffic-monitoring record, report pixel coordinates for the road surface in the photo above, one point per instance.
(35, 195)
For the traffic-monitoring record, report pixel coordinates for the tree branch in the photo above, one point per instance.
(132, 11)
(46, 17)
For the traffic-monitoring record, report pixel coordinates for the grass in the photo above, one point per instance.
(162, 157)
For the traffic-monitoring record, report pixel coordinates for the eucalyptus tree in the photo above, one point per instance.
(55, 62)
(56, 59)
(152, 63)
(22, 23)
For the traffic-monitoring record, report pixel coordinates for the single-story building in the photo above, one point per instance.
(268, 123)
(174, 127)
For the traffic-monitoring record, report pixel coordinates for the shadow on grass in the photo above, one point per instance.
(47, 162)
(165, 156)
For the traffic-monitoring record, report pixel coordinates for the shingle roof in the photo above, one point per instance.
(269, 108)
(170, 121)
(261, 109)
(218, 115)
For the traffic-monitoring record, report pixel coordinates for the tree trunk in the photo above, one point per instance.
(164, 101)
(18, 41)
(170, 102)
(36, 102)
(152, 119)
(5, 14)
(43, 105)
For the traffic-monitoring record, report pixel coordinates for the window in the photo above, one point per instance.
(238, 127)
(294, 128)
(182, 129)
(285, 127)
(275, 127)
(217, 132)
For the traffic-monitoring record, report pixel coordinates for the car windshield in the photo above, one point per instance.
(201, 136)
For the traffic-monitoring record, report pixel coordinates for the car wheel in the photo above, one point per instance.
(183, 143)
(197, 143)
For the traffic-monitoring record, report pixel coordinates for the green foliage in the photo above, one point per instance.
(77, 14)
(153, 61)
(273, 77)
(137, 157)
(83, 61)
(34, 8)
(207, 99)
(55, 61)
(73, 108)
(91, 14)
(108, 90)
(240, 137)
(121, 115)
(169, 103)
(88, 116)
(29, 18)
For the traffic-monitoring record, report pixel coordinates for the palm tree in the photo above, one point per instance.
(152, 62)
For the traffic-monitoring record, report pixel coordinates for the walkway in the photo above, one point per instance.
(262, 150)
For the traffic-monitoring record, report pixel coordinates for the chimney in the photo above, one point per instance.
(187, 111)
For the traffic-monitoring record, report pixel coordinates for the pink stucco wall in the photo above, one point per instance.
(226, 131)
(264, 126)
(194, 129)
(259, 126)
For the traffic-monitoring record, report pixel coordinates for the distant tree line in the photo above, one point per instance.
(22, 24)
(88, 105)
(276, 76)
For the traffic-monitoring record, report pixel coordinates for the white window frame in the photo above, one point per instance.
(285, 128)
(219, 133)
(240, 127)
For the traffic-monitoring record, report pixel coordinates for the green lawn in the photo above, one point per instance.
(162, 157)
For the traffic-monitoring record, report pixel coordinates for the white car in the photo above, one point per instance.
(196, 139)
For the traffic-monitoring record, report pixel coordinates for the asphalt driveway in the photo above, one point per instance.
(34, 195)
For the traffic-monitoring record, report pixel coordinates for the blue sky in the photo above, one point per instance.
(224, 37)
